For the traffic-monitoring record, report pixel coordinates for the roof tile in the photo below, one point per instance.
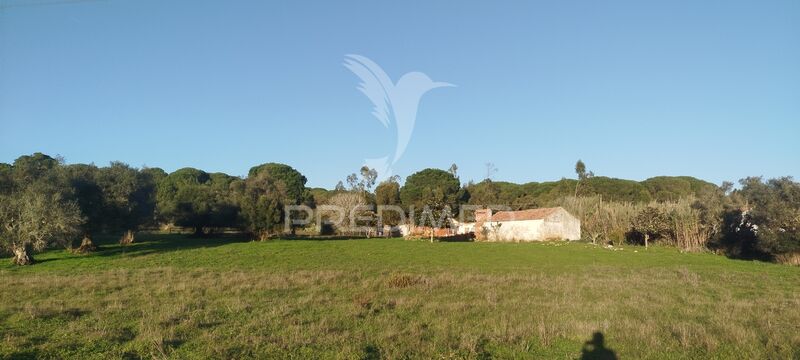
(531, 214)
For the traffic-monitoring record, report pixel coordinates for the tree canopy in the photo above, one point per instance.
(671, 188)
(39, 210)
(387, 193)
(185, 198)
(291, 180)
(772, 214)
(432, 189)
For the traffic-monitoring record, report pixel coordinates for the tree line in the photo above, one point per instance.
(45, 202)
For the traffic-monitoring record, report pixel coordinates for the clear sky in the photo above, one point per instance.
(634, 88)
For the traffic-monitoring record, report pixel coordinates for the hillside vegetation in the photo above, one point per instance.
(533, 194)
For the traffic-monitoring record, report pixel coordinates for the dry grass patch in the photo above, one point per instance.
(404, 280)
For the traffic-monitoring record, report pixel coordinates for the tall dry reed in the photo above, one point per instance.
(605, 221)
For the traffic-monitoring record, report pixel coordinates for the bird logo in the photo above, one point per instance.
(398, 102)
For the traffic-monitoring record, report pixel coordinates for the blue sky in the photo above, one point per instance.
(636, 89)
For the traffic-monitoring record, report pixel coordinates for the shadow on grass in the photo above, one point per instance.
(327, 237)
(153, 243)
(371, 352)
(64, 315)
(147, 244)
(37, 260)
(26, 354)
(470, 237)
(595, 349)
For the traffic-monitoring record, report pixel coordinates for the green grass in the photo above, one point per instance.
(171, 296)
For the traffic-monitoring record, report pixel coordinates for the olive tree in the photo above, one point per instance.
(88, 195)
(35, 209)
(33, 220)
(650, 223)
(128, 200)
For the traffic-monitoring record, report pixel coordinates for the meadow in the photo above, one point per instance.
(174, 296)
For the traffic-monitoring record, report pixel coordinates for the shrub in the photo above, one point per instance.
(764, 222)
(651, 222)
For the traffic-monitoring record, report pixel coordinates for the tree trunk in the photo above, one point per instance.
(23, 255)
(87, 245)
(127, 238)
(646, 237)
(431, 234)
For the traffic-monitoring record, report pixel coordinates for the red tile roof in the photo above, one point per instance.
(531, 214)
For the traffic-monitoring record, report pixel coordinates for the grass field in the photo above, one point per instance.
(171, 296)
